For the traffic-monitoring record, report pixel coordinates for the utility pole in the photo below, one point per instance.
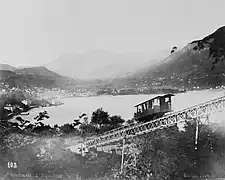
(122, 155)
(196, 133)
(196, 143)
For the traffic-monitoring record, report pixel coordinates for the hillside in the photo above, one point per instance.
(34, 77)
(201, 63)
(37, 71)
(7, 67)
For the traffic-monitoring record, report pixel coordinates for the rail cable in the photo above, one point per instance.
(171, 119)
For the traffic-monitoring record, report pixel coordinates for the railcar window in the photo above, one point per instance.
(156, 102)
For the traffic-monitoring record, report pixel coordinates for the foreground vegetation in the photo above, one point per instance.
(28, 143)
(162, 154)
(40, 149)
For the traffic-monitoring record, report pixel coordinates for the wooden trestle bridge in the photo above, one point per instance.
(197, 111)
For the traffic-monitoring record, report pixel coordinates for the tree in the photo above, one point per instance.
(217, 157)
(67, 129)
(130, 121)
(85, 120)
(87, 129)
(159, 157)
(56, 126)
(22, 121)
(116, 121)
(173, 49)
(42, 129)
(209, 158)
(76, 122)
(82, 115)
(100, 117)
(29, 127)
(42, 116)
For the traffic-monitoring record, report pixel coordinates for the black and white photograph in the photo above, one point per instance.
(112, 89)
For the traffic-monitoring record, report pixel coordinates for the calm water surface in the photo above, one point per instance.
(116, 105)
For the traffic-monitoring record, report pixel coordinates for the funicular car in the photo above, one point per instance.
(153, 108)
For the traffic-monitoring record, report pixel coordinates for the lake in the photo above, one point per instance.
(116, 105)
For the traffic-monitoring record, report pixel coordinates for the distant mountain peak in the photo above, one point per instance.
(220, 30)
(215, 43)
(218, 35)
(101, 64)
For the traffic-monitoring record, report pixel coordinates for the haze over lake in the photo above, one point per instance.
(116, 105)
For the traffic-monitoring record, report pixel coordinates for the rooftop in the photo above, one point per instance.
(156, 97)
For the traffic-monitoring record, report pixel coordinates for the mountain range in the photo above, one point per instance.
(200, 63)
(33, 77)
(7, 67)
(100, 64)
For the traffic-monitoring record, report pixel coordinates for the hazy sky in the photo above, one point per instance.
(38, 31)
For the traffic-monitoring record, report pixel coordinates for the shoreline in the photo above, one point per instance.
(110, 96)
(12, 115)
(155, 93)
(63, 100)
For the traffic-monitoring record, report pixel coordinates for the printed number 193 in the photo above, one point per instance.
(12, 165)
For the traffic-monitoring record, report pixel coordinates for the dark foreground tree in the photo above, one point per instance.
(116, 121)
(42, 116)
(100, 117)
(69, 129)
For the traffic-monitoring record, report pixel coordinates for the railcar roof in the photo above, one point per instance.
(156, 97)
